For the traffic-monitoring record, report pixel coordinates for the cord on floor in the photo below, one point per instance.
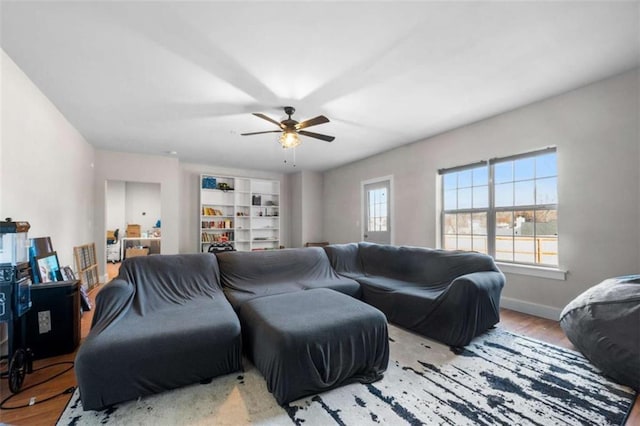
(34, 401)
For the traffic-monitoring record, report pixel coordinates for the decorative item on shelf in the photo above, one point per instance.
(67, 273)
(210, 211)
(256, 200)
(208, 183)
(220, 247)
(223, 186)
(209, 238)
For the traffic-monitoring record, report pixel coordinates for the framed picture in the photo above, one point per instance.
(67, 273)
(48, 267)
(209, 183)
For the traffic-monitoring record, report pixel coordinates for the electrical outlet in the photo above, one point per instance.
(44, 322)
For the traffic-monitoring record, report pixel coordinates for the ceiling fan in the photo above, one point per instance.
(290, 128)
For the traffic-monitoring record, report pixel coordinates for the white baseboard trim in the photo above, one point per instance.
(543, 311)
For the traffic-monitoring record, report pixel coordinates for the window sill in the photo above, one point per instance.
(533, 271)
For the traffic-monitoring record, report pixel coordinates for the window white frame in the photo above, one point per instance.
(536, 268)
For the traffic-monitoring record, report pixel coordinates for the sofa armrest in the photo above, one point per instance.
(112, 302)
(487, 282)
(470, 306)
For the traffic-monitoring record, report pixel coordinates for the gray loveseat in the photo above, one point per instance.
(162, 323)
(450, 296)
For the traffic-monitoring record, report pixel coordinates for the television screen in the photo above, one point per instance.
(48, 267)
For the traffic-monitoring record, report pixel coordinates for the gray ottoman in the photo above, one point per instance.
(311, 341)
(604, 324)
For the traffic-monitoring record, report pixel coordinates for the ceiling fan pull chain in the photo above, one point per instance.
(286, 163)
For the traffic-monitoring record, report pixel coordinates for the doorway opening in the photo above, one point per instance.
(133, 221)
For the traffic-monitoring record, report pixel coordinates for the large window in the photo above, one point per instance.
(505, 207)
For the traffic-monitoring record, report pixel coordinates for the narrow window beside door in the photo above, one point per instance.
(377, 212)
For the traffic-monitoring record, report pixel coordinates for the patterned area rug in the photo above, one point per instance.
(500, 378)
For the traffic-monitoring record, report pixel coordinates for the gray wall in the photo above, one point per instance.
(116, 196)
(46, 166)
(142, 205)
(312, 201)
(126, 203)
(306, 207)
(596, 131)
(295, 189)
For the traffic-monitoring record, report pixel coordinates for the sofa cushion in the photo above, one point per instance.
(344, 258)
(341, 284)
(384, 283)
(428, 267)
(247, 275)
(166, 281)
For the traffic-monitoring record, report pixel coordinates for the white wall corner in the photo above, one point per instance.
(544, 311)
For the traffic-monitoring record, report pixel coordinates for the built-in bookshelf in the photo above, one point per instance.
(242, 211)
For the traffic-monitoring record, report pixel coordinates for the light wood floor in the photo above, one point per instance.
(112, 270)
(48, 412)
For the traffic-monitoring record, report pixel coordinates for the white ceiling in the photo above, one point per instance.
(185, 76)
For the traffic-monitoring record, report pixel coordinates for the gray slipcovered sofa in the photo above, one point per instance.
(165, 322)
(162, 323)
(450, 296)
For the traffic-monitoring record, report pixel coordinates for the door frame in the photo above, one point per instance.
(392, 222)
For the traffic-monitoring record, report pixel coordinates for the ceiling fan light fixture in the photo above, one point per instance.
(289, 140)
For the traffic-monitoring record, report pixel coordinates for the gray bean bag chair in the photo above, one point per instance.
(162, 323)
(604, 324)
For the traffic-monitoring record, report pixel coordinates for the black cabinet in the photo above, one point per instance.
(53, 322)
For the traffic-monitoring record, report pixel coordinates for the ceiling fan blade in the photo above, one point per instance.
(317, 136)
(259, 133)
(265, 117)
(321, 119)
